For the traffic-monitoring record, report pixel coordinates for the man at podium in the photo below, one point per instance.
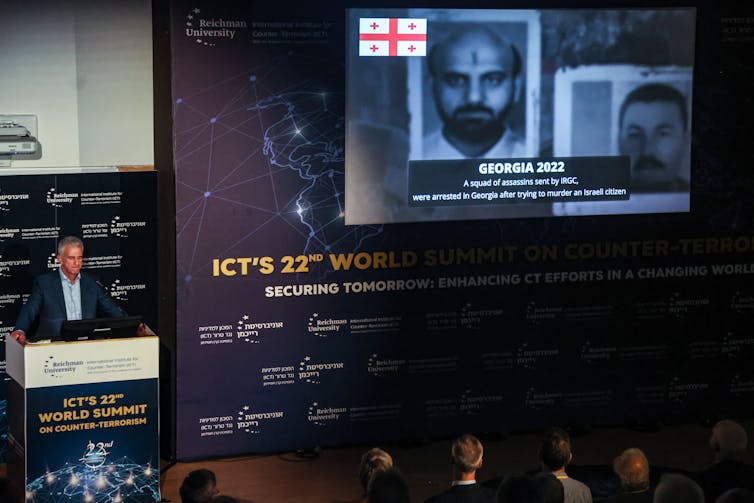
(65, 294)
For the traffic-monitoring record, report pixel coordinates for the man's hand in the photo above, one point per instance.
(19, 336)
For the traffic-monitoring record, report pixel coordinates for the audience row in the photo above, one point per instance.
(728, 480)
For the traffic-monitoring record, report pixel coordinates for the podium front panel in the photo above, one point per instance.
(92, 421)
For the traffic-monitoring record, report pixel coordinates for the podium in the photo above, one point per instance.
(83, 420)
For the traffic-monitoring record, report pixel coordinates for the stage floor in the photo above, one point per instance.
(332, 478)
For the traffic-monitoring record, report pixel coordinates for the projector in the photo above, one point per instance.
(15, 139)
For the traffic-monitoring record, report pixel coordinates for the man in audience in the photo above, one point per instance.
(373, 461)
(549, 487)
(736, 496)
(388, 486)
(518, 489)
(555, 454)
(728, 442)
(466, 455)
(199, 486)
(632, 468)
(677, 488)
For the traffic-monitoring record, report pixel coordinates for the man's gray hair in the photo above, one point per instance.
(69, 241)
(466, 453)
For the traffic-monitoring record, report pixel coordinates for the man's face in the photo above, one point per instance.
(473, 85)
(71, 260)
(652, 134)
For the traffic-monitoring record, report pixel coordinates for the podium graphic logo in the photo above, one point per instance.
(56, 369)
(205, 30)
(95, 455)
(58, 199)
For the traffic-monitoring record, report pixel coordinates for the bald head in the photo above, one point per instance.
(632, 468)
(677, 488)
(475, 81)
(474, 47)
(728, 440)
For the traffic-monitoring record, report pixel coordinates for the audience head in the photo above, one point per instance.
(466, 454)
(736, 496)
(632, 468)
(728, 440)
(518, 489)
(224, 499)
(387, 486)
(372, 461)
(555, 449)
(677, 488)
(199, 486)
(550, 488)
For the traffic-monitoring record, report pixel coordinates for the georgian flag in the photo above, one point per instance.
(381, 36)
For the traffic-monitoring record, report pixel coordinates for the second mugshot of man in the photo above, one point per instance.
(653, 128)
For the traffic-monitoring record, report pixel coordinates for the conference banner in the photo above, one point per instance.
(408, 223)
(91, 420)
(112, 212)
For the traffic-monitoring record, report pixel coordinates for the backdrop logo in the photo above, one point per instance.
(251, 422)
(205, 31)
(539, 399)
(120, 291)
(680, 392)
(5, 200)
(120, 229)
(681, 308)
(321, 416)
(322, 327)
(58, 199)
(380, 367)
(95, 455)
(312, 372)
(733, 346)
(8, 232)
(591, 354)
(473, 404)
(536, 314)
(741, 304)
(55, 368)
(5, 266)
(52, 261)
(741, 386)
(251, 331)
(472, 318)
(530, 358)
